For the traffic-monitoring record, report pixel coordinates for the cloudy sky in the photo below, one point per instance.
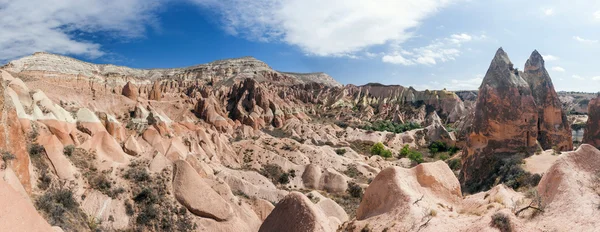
(430, 44)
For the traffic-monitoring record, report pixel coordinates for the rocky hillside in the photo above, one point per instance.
(236, 146)
(245, 67)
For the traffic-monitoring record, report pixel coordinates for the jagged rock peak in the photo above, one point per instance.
(535, 61)
(501, 72)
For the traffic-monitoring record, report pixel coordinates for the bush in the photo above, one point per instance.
(392, 126)
(501, 222)
(404, 151)
(514, 176)
(439, 146)
(444, 156)
(60, 208)
(35, 150)
(276, 174)
(416, 156)
(454, 164)
(352, 171)
(377, 148)
(355, 190)
(386, 154)
(340, 151)
(7, 157)
(68, 150)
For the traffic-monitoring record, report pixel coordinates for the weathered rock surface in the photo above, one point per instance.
(567, 189)
(156, 92)
(130, 91)
(17, 213)
(505, 123)
(553, 127)
(296, 213)
(591, 134)
(197, 196)
(12, 137)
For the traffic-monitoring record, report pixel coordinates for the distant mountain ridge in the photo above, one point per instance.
(244, 67)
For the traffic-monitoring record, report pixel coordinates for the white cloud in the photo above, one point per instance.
(324, 28)
(582, 40)
(597, 14)
(577, 77)
(596, 78)
(53, 26)
(558, 69)
(439, 50)
(548, 11)
(460, 38)
(397, 58)
(550, 58)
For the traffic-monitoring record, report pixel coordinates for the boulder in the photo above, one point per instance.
(132, 147)
(130, 91)
(296, 213)
(198, 197)
(311, 176)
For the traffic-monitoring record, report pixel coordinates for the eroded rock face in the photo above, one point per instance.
(296, 213)
(505, 123)
(156, 92)
(196, 195)
(553, 127)
(12, 138)
(17, 213)
(592, 127)
(130, 91)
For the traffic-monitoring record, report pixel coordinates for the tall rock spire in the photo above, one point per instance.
(505, 124)
(553, 128)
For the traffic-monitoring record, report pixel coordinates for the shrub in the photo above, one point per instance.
(355, 190)
(60, 208)
(352, 171)
(404, 151)
(377, 148)
(386, 154)
(68, 150)
(137, 172)
(416, 156)
(340, 151)
(392, 126)
(35, 150)
(7, 157)
(444, 156)
(454, 164)
(276, 174)
(501, 222)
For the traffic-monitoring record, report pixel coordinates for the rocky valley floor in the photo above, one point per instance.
(236, 146)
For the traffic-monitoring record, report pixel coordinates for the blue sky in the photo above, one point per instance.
(430, 44)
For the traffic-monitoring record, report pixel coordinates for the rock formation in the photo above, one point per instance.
(156, 92)
(591, 134)
(504, 125)
(296, 213)
(553, 128)
(225, 146)
(130, 91)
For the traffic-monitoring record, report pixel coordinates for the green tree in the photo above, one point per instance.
(405, 151)
(386, 154)
(377, 148)
(416, 156)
